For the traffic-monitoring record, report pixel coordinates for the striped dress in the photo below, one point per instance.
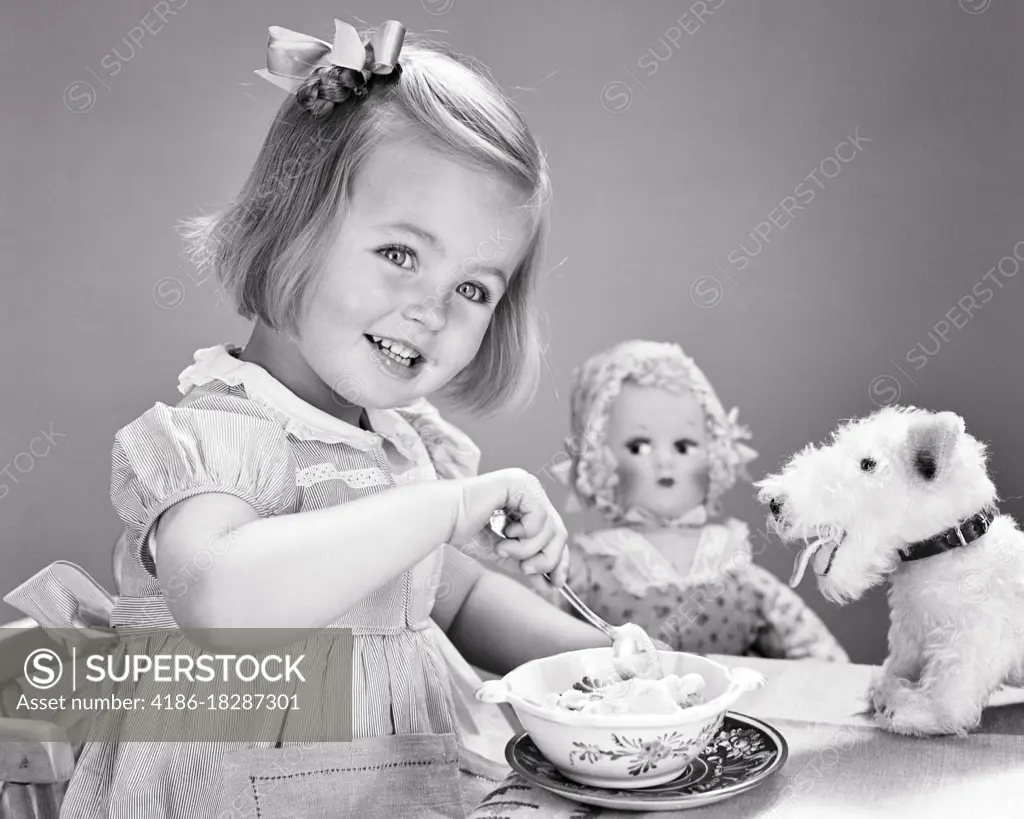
(239, 431)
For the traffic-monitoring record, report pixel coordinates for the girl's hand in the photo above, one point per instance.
(535, 535)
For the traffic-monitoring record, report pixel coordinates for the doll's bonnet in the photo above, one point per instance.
(591, 471)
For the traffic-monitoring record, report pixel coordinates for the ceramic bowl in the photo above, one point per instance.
(617, 750)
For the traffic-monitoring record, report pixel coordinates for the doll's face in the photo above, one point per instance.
(660, 443)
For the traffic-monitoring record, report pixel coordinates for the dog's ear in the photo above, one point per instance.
(931, 443)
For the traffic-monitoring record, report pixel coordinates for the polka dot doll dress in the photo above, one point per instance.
(724, 605)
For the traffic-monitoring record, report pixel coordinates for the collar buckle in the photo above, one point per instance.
(977, 525)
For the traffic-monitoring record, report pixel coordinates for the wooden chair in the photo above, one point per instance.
(37, 756)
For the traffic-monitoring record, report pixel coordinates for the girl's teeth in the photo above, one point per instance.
(396, 351)
(395, 347)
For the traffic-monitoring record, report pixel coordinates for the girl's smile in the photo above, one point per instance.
(411, 283)
(395, 358)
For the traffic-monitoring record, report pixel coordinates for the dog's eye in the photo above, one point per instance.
(868, 465)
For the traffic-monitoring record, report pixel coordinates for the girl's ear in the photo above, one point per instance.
(931, 443)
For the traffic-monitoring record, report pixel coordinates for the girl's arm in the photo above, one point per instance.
(304, 570)
(296, 571)
(501, 624)
(459, 575)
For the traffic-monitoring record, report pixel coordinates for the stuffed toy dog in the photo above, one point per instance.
(904, 496)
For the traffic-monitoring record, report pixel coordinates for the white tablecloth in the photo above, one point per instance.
(841, 766)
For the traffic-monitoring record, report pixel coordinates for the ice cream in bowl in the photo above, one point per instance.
(603, 730)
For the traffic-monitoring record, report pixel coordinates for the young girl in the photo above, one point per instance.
(386, 244)
(654, 451)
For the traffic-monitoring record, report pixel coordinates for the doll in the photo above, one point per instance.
(653, 452)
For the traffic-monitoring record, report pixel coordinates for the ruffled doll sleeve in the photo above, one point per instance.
(791, 629)
(452, 452)
(170, 454)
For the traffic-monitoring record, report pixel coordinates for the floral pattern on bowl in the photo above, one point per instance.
(618, 750)
(644, 755)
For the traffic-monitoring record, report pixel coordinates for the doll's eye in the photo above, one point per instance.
(868, 465)
(639, 446)
(685, 445)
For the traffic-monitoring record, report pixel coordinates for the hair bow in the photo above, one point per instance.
(292, 57)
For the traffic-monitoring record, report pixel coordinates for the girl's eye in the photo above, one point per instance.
(400, 256)
(473, 292)
(639, 446)
(685, 445)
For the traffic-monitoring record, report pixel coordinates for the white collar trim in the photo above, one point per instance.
(298, 417)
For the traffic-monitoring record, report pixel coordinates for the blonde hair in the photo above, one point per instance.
(268, 245)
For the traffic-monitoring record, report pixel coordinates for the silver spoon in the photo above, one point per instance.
(633, 651)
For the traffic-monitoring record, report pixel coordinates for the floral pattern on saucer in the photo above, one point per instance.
(742, 754)
(734, 755)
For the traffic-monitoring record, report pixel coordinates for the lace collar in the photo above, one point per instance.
(646, 519)
(298, 417)
(639, 567)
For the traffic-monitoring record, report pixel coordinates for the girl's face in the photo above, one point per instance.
(660, 443)
(425, 252)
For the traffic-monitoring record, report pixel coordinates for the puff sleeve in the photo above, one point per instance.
(452, 451)
(170, 454)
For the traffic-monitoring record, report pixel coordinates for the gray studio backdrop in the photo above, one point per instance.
(800, 192)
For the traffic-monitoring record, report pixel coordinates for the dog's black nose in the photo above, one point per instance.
(775, 504)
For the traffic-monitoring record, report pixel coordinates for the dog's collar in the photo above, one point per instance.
(966, 532)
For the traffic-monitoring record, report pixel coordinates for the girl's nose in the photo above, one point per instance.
(430, 312)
